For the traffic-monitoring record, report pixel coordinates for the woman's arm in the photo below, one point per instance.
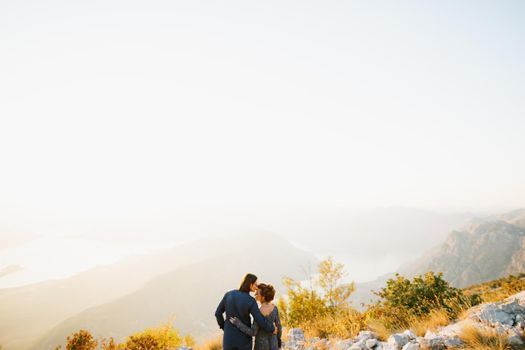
(279, 327)
(244, 328)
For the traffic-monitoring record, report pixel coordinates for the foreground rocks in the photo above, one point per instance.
(506, 318)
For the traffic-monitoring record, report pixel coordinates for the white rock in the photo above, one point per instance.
(398, 340)
(295, 334)
(344, 344)
(452, 342)
(515, 337)
(357, 346)
(411, 346)
(513, 307)
(367, 335)
(410, 334)
(383, 346)
(515, 340)
(370, 343)
(491, 314)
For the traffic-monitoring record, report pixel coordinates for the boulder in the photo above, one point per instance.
(513, 307)
(492, 314)
(398, 340)
(452, 342)
(364, 335)
(411, 346)
(344, 344)
(295, 339)
(411, 335)
(371, 343)
(515, 337)
(433, 341)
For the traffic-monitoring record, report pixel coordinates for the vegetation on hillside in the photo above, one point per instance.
(164, 337)
(498, 289)
(321, 307)
(425, 302)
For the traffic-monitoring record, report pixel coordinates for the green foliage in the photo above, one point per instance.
(404, 301)
(323, 308)
(423, 294)
(82, 340)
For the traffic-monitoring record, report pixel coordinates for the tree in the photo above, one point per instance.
(323, 307)
(331, 274)
(82, 340)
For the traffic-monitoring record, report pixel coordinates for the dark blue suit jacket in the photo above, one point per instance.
(241, 305)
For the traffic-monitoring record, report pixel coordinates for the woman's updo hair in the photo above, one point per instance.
(267, 291)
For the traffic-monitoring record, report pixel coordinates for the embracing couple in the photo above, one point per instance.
(238, 305)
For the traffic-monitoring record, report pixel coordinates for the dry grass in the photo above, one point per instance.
(478, 339)
(380, 329)
(344, 324)
(436, 319)
(419, 325)
(211, 344)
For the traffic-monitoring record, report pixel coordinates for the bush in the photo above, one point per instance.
(322, 309)
(142, 342)
(82, 340)
(162, 338)
(426, 299)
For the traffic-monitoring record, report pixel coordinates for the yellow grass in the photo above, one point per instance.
(478, 339)
(380, 329)
(433, 322)
(211, 344)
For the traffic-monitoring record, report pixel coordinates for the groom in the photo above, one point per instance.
(239, 303)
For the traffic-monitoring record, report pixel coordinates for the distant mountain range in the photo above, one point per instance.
(483, 250)
(184, 284)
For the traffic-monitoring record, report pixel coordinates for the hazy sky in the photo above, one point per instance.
(117, 109)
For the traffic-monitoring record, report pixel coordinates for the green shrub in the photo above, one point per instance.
(404, 302)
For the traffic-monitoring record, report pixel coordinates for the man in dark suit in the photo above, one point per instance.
(239, 303)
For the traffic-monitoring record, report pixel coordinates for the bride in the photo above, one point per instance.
(263, 339)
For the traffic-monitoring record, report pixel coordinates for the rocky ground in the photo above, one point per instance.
(505, 318)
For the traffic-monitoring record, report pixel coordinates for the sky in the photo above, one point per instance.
(115, 111)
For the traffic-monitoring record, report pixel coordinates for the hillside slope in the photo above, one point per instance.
(189, 295)
(483, 250)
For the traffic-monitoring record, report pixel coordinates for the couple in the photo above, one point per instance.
(238, 306)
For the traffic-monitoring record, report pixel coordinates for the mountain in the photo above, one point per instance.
(188, 294)
(29, 312)
(482, 250)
